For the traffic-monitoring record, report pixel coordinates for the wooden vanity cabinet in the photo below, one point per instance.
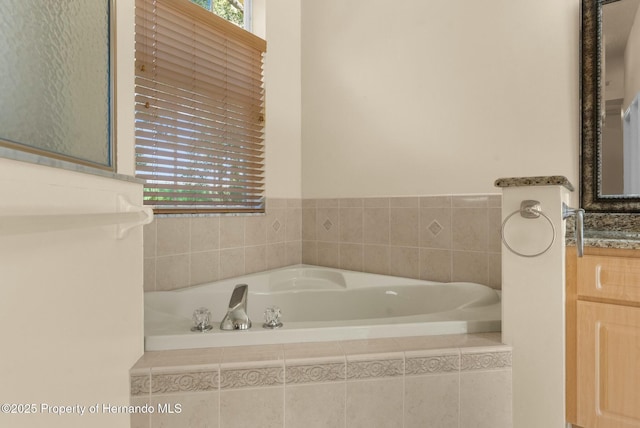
(603, 338)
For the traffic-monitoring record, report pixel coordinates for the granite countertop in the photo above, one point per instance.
(608, 230)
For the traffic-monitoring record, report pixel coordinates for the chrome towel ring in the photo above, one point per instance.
(528, 209)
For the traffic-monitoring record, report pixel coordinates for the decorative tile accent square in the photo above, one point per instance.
(327, 224)
(435, 228)
(276, 225)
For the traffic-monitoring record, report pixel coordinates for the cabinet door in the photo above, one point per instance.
(614, 278)
(608, 366)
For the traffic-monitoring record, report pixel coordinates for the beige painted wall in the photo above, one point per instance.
(71, 316)
(437, 97)
(279, 22)
(70, 301)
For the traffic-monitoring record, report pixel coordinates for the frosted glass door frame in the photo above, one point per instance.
(57, 81)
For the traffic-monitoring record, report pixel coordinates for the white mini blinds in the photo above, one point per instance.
(199, 110)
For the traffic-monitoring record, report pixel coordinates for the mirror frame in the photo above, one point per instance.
(591, 197)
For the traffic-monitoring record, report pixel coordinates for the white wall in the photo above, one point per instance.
(437, 97)
(71, 311)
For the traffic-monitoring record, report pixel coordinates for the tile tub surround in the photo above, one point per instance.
(439, 381)
(438, 238)
(185, 250)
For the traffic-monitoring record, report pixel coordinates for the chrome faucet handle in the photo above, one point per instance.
(272, 317)
(579, 225)
(201, 320)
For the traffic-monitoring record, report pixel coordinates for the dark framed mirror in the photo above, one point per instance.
(610, 90)
(57, 83)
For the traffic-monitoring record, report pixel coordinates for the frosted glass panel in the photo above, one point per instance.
(54, 78)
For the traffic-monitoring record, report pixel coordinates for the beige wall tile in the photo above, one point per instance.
(263, 407)
(172, 235)
(404, 261)
(470, 266)
(231, 231)
(309, 203)
(404, 226)
(205, 233)
(293, 253)
(495, 270)
(231, 263)
(276, 256)
(351, 257)
(328, 203)
(172, 272)
(376, 202)
(328, 254)
(435, 202)
(494, 243)
(315, 406)
(205, 267)
(310, 252)
(375, 225)
(404, 202)
(351, 203)
(309, 224)
(197, 410)
(255, 230)
(431, 401)
(293, 225)
(376, 259)
(435, 265)
(374, 403)
(469, 229)
(485, 399)
(140, 420)
(351, 225)
(255, 259)
(494, 201)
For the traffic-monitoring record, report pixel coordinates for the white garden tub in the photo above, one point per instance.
(322, 304)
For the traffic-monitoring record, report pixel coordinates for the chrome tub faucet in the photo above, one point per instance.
(236, 317)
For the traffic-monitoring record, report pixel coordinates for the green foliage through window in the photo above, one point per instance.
(231, 10)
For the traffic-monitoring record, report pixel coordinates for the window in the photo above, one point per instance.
(236, 11)
(199, 110)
